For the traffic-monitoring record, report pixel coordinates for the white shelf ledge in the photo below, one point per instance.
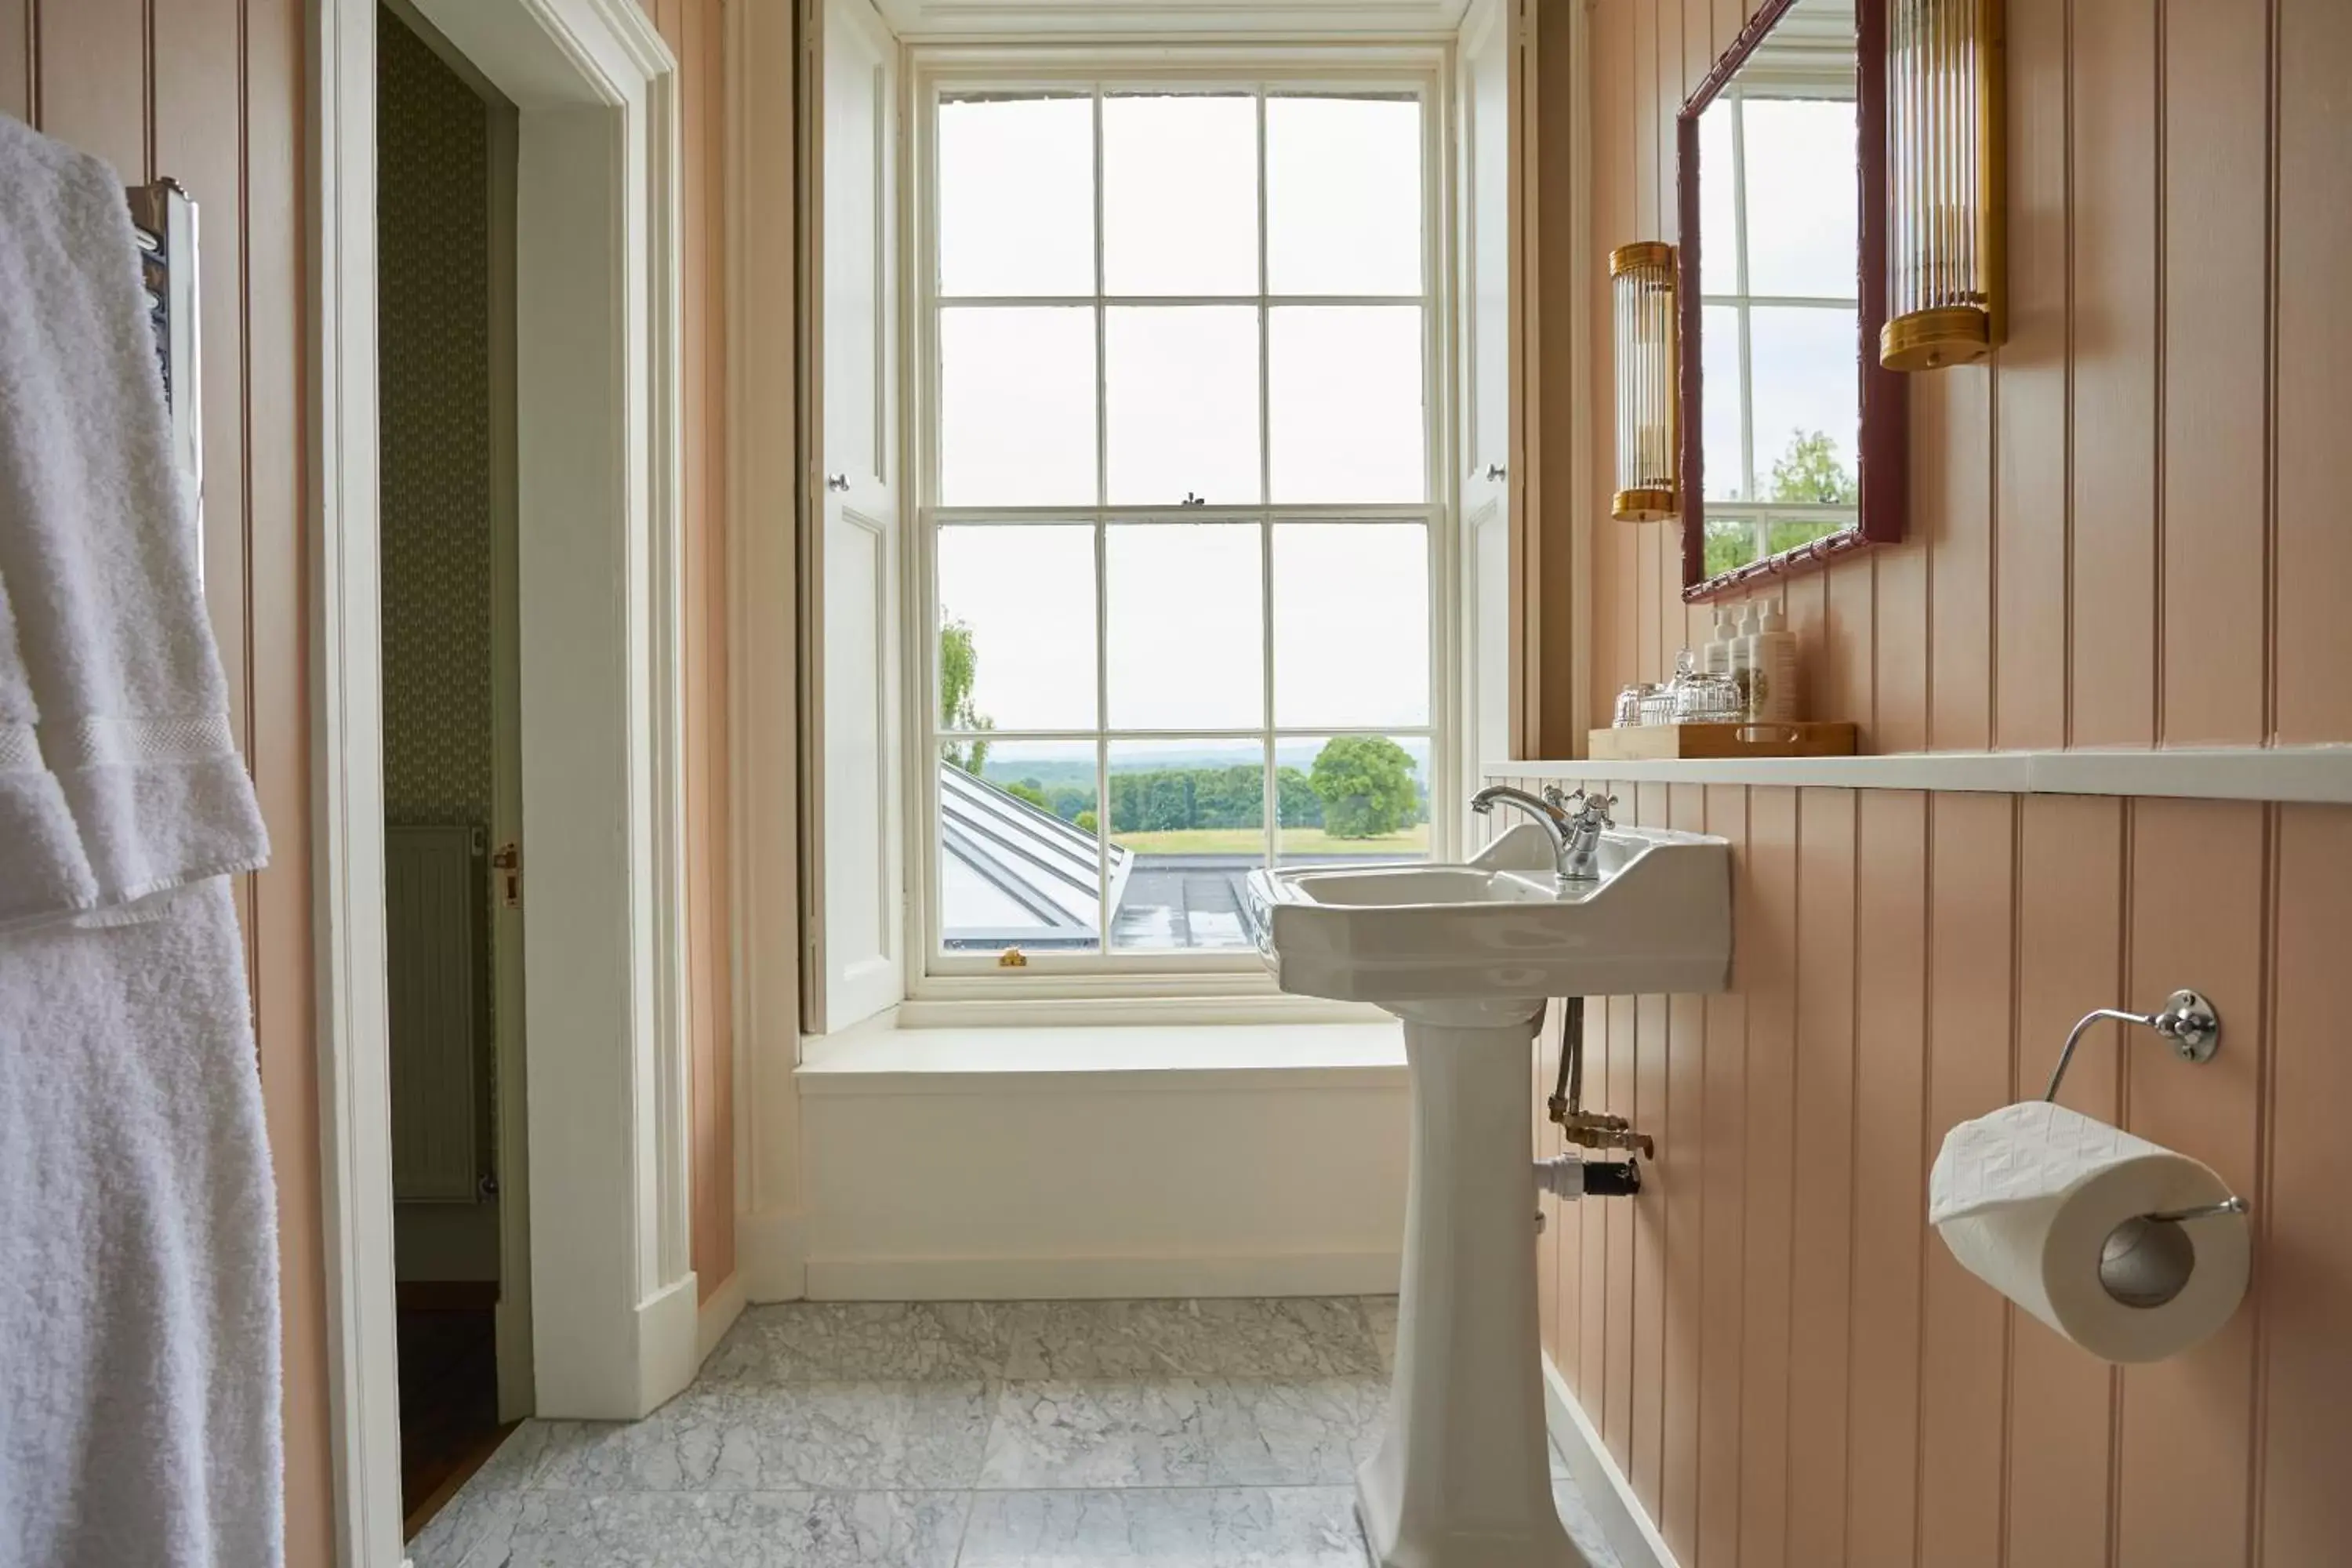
(2314, 774)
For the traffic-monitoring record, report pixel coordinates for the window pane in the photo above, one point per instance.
(1350, 624)
(1802, 190)
(1016, 848)
(1191, 817)
(1179, 195)
(1017, 406)
(1718, 213)
(1343, 196)
(1352, 797)
(1731, 543)
(1016, 628)
(1183, 404)
(1808, 404)
(1016, 197)
(1722, 460)
(1346, 410)
(1185, 627)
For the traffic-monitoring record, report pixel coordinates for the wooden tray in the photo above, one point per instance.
(1669, 742)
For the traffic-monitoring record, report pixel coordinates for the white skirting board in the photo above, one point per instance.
(1606, 1490)
(716, 1316)
(1108, 1278)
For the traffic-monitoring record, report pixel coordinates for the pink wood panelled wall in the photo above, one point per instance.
(695, 30)
(212, 93)
(2124, 530)
(1784, 1360)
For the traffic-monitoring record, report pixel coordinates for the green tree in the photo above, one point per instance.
(1084, 822)
(1809, 472)
(1030, 793)
(1365, 784)
(959, 667)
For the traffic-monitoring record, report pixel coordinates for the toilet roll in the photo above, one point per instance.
(2026, 1198)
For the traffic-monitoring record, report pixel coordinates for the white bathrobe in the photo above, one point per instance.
(139, 1359)
(139, 1326)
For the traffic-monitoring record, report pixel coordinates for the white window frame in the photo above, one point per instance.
(1422, 68)
(1759, 515)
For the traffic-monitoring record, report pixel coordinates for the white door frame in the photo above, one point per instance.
(597, 392)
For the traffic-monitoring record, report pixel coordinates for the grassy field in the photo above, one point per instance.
(1295, 841)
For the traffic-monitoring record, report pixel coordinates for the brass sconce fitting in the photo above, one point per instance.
(1641, 299)
(1943, 190)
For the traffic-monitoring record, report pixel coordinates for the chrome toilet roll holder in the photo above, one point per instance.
(2147, 1259)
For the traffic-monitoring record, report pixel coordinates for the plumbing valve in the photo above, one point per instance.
(1571, 1176)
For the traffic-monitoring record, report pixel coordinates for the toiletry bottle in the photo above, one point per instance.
(1741, 649)
(1717, 656)
(1770, 655)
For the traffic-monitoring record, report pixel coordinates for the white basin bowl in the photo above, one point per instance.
(1658, 919)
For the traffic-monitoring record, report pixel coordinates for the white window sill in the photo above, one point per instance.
(883, 1057)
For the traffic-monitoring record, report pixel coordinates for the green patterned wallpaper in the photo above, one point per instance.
(433, 327)
(434, 379)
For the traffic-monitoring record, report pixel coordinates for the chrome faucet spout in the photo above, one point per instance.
(1574, 822)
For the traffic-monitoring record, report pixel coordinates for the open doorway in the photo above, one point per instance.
(445, 386)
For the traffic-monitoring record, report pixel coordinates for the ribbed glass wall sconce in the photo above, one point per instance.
(1944, 182)
(1642, 294)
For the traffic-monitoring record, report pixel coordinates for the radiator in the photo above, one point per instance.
(431, 892)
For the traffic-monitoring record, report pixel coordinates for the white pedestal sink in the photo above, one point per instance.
(1466, 955)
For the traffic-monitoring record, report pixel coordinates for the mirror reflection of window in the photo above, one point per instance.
(1779, 424)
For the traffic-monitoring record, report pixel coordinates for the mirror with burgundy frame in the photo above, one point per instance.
(1792, 434)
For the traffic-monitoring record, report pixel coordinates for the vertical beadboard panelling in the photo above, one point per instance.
(1952, 470)
(2216, 211)
(1889, 1177)
(93, 80)
(2306, 1388)
(1842, 669)
(2312, 462)
(1610, 33)
(17, 58)
(1900, 713)
(1821, 1260)
(1769, 932)
(1682, 1169)
(2029, 408)
(693, 28)
(193, 99)
(2178, 1504)
(2069, 947)
(1724, 1130)
(275, 578)
(2114, 260)
(1963, 1326)
(1654, 1048)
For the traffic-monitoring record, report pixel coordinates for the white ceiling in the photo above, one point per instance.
(1292, 18)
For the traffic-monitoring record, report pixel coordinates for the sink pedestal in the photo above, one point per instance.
(1462, 1478)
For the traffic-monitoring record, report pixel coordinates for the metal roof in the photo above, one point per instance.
(1011, 873)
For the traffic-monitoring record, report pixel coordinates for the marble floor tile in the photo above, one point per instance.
(779, 1438)
(1283, 1337)
(868, 1341)
(1582, 1527)
(1380, 1315)
(1291, 1527)
(728, 1530)
(1182, 1432)
(483, 1504)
